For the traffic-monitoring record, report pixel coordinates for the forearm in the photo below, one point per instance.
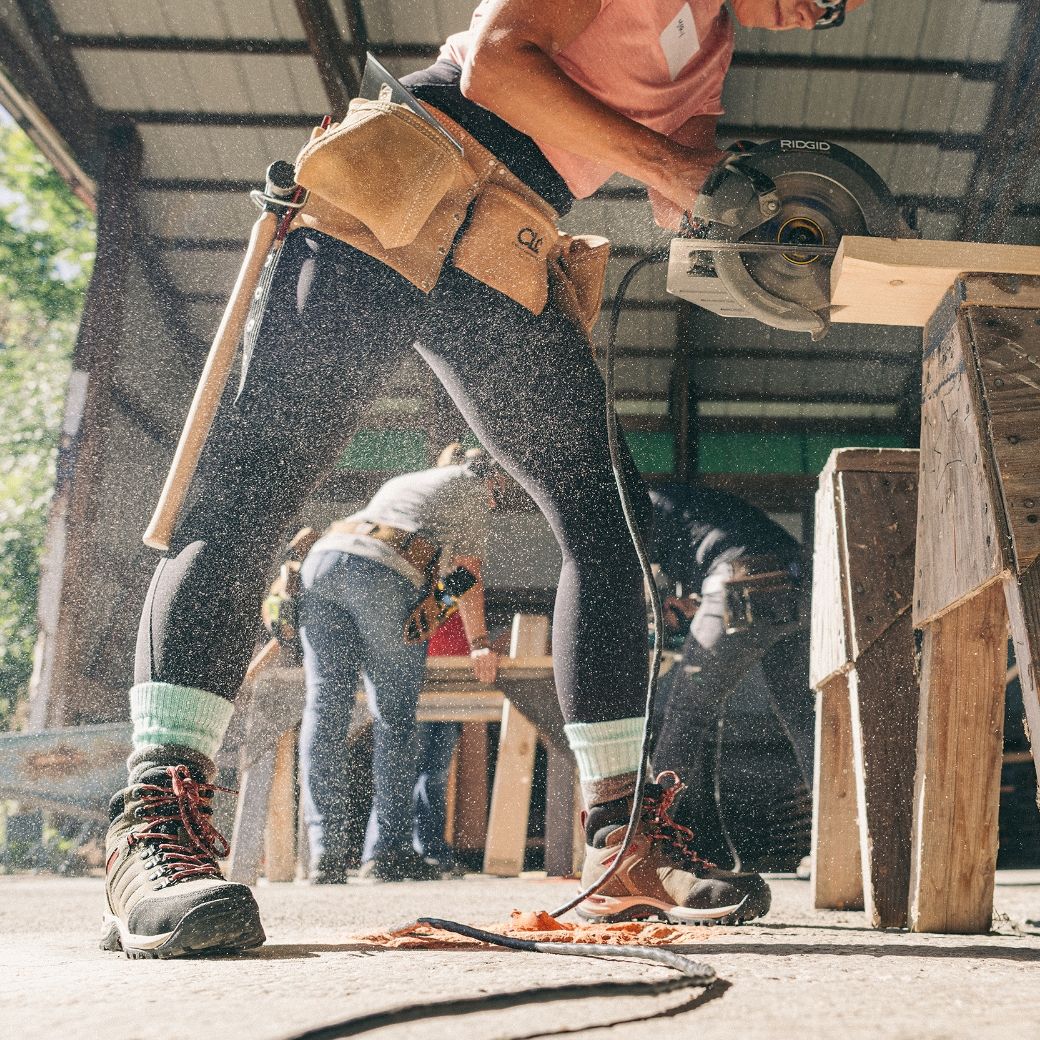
(471, 610)
(510, 70)
(521, 83)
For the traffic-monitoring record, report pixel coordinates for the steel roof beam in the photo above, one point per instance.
(68, 104)
(188, 45)
(333, 55)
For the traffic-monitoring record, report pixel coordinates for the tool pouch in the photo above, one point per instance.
(279, 609)
(439, 600)
(761, 599)
(507, 244)
(580, 269)
(383, 165)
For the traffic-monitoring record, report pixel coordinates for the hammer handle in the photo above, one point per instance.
(211, 385)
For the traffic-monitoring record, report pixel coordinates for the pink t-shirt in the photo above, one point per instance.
(659, 62)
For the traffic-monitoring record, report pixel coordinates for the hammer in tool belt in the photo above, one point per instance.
(278, 203)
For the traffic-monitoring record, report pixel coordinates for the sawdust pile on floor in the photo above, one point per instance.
(538, 926)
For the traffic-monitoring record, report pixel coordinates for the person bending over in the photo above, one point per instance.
(547, 100)
(360, 583)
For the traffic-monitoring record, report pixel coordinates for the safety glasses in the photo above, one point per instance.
(833, 14)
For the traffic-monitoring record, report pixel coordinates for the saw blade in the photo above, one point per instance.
(814, 210)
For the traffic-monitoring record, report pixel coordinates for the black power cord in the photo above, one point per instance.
(698, 974)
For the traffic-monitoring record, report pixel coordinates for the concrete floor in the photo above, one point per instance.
(798, 973)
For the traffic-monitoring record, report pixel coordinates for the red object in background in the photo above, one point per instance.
(450, 639)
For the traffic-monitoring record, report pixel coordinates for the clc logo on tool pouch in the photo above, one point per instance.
(529, 239)
(807, 146)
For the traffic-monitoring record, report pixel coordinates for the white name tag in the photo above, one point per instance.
(680, 41)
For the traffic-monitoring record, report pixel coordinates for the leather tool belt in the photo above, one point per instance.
(762, 591)
(387, 184)
(412, 547)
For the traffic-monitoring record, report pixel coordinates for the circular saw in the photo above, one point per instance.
(765, 228)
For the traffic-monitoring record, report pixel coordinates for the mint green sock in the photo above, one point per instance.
(163, 713)
(608, 755)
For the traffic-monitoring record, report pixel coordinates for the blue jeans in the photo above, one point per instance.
(352, 613)
(437, 742)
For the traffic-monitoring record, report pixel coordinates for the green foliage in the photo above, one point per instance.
(46, 255)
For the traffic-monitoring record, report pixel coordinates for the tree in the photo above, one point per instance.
(46, 256)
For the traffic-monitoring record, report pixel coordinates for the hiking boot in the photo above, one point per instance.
(165, 893)
(399, 865)
(661, 875)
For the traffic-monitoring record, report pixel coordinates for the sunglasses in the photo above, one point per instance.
(833, 14)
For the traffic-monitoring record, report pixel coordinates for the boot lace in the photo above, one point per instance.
(177, 818)
(658, 825)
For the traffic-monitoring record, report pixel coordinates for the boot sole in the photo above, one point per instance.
(615, 911)
(210, 928)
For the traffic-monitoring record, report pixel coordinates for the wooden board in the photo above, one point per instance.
(829, 637)
(873, 460)
(961, 542)
(280, 834)
(878, 528)
(956, 795)
(887, 281)
(561, 777)
(837, 877)
(471, 803)
(883, 698)
(514, 769)
(511, 795)
(874, 490)
(1006, 341)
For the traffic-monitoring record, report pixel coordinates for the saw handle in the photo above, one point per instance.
(212, 383)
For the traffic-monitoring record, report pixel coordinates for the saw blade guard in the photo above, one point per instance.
(796, 193)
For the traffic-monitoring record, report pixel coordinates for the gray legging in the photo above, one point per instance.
(337, 324)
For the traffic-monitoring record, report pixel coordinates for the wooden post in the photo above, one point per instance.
(280, 834)
(837, 875)
(979, 538)
(511, 793)
(863, 669)
(559, 811)
(956, 799)
(70, 626)
(471, 800)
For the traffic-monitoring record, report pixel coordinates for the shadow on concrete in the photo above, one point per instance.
(457, 1007)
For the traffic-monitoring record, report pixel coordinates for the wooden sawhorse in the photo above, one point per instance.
(862, 667)
(978, 538)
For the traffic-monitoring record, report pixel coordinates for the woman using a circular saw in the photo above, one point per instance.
(408, 242)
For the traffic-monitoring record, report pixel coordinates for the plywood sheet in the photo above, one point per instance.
(879, 522)
(888, 281)
(883, 700)
(960, 535)
(1007, 346)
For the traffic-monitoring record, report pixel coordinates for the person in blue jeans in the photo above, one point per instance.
(360, 583)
